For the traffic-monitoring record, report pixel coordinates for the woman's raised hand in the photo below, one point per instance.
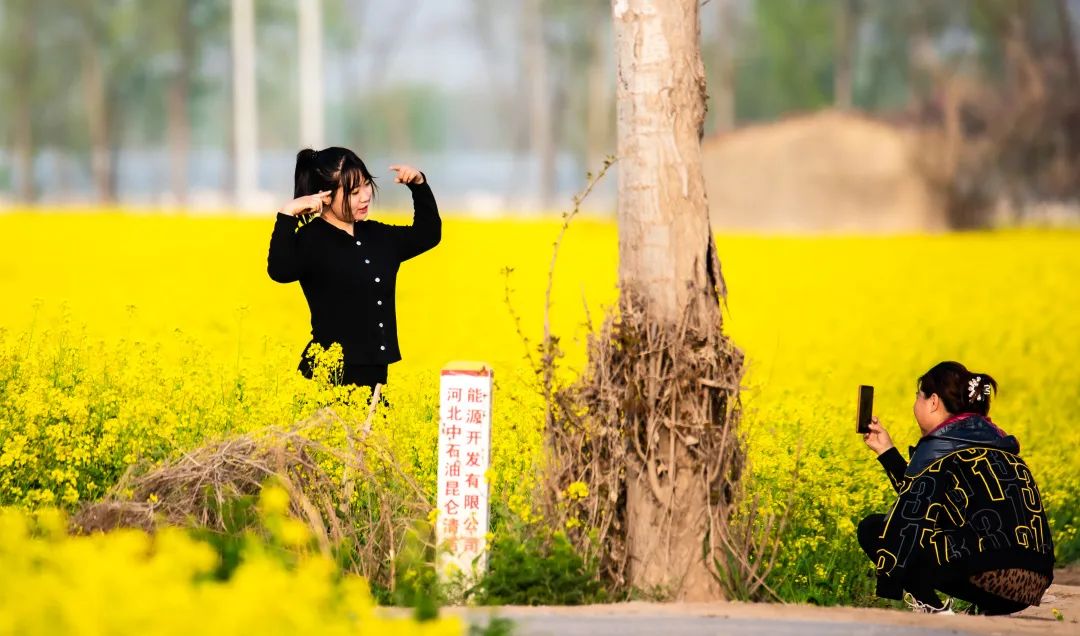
(407, 175)
(308, 204)
(878, 438)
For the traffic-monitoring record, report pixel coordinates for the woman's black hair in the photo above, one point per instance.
(959, 389)
(318, 170)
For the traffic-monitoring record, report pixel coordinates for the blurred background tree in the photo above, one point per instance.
(511, 102)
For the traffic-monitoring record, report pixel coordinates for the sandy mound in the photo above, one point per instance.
(826, 172)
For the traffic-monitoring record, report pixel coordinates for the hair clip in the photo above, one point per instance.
(973, 389)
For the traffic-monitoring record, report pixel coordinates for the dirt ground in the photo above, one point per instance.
(1063, 596)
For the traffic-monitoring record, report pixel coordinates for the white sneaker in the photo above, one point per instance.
(922, 608)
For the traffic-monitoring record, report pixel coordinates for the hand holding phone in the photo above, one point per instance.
(877, 438)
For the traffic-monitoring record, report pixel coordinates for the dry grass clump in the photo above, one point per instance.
(356, 498)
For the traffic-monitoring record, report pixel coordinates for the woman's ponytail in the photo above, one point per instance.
(305, 179)
(977, 392)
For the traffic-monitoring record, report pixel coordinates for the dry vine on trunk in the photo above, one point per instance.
(649, 391)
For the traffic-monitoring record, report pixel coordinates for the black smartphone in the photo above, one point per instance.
(866, 409)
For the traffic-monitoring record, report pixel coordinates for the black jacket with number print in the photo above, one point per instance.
(350, 281)
(966, 501)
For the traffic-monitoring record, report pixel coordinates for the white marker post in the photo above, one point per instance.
(464, 455)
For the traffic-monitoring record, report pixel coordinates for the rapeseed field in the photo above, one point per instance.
(127, 339)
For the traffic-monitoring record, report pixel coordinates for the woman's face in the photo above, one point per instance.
(928, 411)
(359, 202)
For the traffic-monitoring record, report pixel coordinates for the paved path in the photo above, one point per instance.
(584, 625)
(762, 619)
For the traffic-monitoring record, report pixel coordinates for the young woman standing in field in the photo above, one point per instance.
(347, 264)
(968, 519)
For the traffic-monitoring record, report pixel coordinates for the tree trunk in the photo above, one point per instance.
(1070, 123)
(179, 120)
(395, 116)
(667, 267)
(312, 112)
(22, 117)
(98, 108)
(724, 101)
(505, 87)
(541, 129)
(598, 105)
(245, 103)
(1068, 43)
(844, 53)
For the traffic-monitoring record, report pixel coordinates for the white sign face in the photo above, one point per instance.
(464, 456)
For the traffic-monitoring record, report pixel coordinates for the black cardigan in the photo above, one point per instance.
(966, 501)
(350, 281)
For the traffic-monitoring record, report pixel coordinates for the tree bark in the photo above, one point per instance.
(663, 218)
(667, 264)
